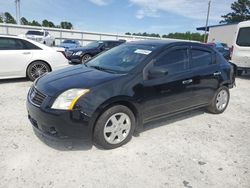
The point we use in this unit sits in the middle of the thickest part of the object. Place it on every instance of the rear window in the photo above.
(200, 58)
(244, 37)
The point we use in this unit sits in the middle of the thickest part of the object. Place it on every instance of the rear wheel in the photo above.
(85, 58)
(114, 127)
(37, 69)
(220, 101)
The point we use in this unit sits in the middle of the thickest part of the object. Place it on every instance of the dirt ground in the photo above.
(195, 149)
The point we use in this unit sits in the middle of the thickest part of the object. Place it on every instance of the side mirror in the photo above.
(157, 72)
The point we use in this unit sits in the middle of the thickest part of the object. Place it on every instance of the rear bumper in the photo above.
(59, 124)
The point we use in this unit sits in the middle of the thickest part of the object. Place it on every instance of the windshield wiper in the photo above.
(103, 69)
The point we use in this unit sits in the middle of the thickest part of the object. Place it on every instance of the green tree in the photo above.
(47, 23)
(24, 21)
(35, 23)
(240, 12)
(128, 33)
(66, 25)
(9, 18)
(1, 19)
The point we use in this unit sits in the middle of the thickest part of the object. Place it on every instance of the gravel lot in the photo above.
(195, 149)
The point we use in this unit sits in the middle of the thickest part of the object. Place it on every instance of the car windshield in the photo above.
(121, 59)
(94, 44)
(40, 33)
(69, 41)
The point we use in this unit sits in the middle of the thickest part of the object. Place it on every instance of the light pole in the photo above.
(206, 28)
(18, 12)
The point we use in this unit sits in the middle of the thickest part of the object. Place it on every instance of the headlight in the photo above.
(78, 53)
(68, 99)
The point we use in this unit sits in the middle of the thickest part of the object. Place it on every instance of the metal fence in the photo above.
(62, 34)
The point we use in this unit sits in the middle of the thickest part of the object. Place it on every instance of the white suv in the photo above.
(241, 47)
(41, 36)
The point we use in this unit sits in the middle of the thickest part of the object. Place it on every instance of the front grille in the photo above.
(36, 97)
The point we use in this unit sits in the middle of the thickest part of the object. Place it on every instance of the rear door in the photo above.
(206, 74)
(15, 54)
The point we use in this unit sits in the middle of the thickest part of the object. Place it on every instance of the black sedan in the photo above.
(113, 95)
(83, 54)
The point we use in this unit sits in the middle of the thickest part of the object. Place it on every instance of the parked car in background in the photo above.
(83, 54)
(222, 48)
(241, 47)
(68, 44)
(115, 93)
(21, 57)
(41, 36)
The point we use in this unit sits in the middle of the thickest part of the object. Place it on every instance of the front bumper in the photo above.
(75, 59)
(59, 123)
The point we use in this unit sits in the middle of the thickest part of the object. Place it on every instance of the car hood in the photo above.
(82, 49)
(78, 76)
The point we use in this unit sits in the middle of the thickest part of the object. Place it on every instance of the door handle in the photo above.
(217, 73)
(189, 81)
(26, 53)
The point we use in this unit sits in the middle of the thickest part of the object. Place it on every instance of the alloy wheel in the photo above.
(117, 128)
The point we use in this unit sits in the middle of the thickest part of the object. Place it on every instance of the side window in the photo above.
(29, 46)
(10, 44)
(243, 37)
(200, 58)
(175, 61)
(46, 34)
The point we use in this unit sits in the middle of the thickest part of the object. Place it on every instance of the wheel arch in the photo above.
(125, 101)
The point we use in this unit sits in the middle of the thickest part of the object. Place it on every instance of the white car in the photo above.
(21, 57)
(241, 47)
(41, 36)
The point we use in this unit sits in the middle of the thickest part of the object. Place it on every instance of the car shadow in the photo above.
(14, 80)
(64, 144)
(165, 121)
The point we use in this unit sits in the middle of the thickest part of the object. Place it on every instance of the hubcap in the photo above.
(38, 69)
(222, 99)
(85, 58)
(117, 128)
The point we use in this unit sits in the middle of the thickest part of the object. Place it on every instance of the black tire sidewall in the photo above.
(100, 124)
(213, 108)
(83, 58)
(29, 69)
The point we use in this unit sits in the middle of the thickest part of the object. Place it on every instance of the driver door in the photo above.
(170, 93)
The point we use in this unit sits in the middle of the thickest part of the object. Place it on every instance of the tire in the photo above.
(109, 135)
(220, 101)
(37, 69)
(85, 58)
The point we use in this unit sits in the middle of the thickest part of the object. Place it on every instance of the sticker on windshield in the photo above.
(144, 52)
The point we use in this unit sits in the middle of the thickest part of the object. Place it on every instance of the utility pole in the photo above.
(18, 11)
(206, 28)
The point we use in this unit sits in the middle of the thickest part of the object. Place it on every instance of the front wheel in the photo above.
(114, 127)
(37, 69)
(220, 101)
(85, 58)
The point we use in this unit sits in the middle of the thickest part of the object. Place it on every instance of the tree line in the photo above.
(177, 35)
(8, 18)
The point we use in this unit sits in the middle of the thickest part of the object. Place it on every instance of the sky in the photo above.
(120, 16)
